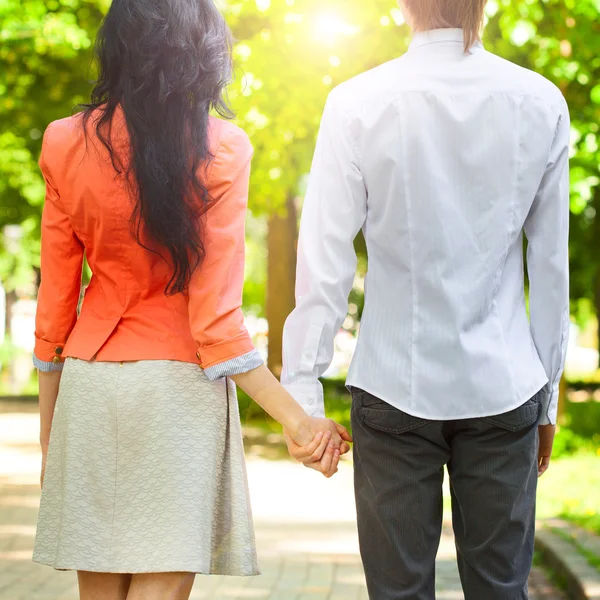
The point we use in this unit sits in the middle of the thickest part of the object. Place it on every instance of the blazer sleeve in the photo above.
(61, 267)
(215, 291)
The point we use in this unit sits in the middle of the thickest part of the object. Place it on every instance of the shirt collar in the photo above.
(440, 36)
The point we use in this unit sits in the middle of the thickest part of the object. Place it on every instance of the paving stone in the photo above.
(306, 534)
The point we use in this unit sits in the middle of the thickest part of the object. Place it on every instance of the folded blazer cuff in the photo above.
(45, 366)
(242, 364)
(226, 350)
(48, 356)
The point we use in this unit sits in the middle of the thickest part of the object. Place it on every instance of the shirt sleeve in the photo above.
(334, 211)
(547, 231)
(216, 287)
(61, 268)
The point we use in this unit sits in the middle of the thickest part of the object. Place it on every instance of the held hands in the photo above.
(318, 444)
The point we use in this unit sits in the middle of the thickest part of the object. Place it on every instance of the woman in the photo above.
(144, 481)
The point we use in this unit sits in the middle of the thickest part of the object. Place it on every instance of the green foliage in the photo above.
(589, 521)
(288, 57)
(583, 419)
(569, 443)
(45, 57)
(561, 40)
(255, 285)
(338, 403)
(591, 379)
(570, 487)
(592, 558)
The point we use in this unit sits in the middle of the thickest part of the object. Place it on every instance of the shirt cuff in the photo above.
(309, 395)
(47, 367)
(549, 405)
(235, 366)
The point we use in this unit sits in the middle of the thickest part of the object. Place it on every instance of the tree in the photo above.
(292, 53)
(289, 56)
(45, 54)
(561, 40)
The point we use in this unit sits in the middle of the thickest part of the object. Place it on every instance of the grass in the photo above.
(570, 489)
(557, 579)
(591, 522)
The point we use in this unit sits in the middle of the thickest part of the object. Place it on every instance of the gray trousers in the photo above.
(399, 461)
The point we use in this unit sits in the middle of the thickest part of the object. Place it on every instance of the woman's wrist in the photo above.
(262, 386)
(297, 425)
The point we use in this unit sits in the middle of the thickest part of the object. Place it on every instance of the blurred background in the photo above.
(288, 55)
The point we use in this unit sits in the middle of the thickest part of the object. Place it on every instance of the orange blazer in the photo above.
(125, 314)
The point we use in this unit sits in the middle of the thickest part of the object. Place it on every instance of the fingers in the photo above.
(328, 465)
(339, 435)
(543, 464)
(300, 451)
(317, 453)
(327, 460)
(344, 448)
(344, 437)
(343, 433)
(331, 468)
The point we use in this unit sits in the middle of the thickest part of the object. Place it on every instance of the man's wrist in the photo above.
(309, 394)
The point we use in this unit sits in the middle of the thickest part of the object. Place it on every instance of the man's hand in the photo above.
(322, 455)
(546, 434)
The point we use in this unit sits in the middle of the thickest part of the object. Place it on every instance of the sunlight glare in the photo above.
(329, 26)
(397, 16)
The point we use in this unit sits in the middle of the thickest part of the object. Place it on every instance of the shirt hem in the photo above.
(523, 397)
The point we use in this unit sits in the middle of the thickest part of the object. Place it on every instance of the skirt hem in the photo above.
(139, 571)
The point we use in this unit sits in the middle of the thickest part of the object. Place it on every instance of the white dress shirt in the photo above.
(445, 160)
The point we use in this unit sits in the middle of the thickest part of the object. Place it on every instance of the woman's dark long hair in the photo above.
(166, 63)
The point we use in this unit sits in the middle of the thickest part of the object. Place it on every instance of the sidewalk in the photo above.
(305, 527)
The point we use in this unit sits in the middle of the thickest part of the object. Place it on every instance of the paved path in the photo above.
(305, 531)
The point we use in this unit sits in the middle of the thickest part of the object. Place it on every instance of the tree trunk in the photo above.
(11, 299)
(595, 204)
(562, 401)
(281, 276)
(597, 308)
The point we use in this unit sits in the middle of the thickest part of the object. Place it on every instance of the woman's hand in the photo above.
(49, 386)
(329, 442)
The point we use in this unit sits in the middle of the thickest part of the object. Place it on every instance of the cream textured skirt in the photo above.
(145, 473)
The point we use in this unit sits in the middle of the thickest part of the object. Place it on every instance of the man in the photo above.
(445, 158)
